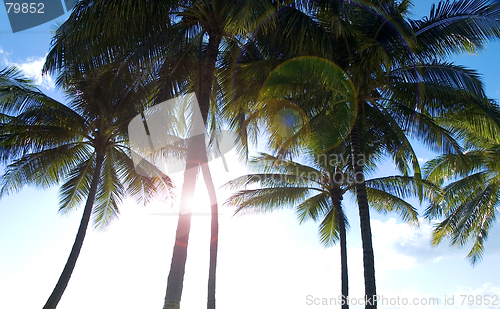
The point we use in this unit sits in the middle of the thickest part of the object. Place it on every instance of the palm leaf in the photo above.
(109, 194)
(313, 207)
(457, 26)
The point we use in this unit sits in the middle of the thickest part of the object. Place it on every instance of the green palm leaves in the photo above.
(307, 189)
(46, 142)
(458, 26)
(323, 93)
(354, 77)
(470, 200)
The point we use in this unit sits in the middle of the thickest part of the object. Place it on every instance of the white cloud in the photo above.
(3, 57)
(31, 67)
(405, 246)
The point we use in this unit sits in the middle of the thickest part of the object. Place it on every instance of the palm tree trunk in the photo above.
(208, 73)
(364, 218)
(336, 201)
(196, 155)
(179, 256)
(207, 76)
(214, 235)
(62, 283)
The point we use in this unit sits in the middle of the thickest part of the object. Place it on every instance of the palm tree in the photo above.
(395, 64)
(84, 145)
(400, 82)
(163, 36)
(312, 192)
(329, 106)
(316, 189)
(398, 70)
(470, 198)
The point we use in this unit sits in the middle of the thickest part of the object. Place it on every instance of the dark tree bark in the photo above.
(214, 235)
(337, 204)
(364, 217)
(205, 94)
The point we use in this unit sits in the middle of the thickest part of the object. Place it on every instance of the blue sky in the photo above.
(265, 261)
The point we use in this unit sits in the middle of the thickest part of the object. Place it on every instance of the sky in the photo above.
(264, 261)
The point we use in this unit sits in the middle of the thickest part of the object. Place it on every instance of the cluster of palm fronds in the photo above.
(352, 78)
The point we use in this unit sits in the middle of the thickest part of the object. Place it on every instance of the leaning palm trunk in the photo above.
(336, 201)
(364, 218)
(179, 255)
(62, 283)
(196, 156)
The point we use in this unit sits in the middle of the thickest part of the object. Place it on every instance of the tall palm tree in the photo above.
(329, 104)
(398, 70)
(82, 144)
(316, 190)
(401, 78)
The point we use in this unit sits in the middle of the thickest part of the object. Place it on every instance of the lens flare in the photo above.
(287, 122)
(308, 96)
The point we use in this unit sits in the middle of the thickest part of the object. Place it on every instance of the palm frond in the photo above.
(110, 192)
(268, 199)
(385, 202)
(470, 219)
(45, 168)
(328, 229)
(314, 207)
(139, 186)
(76, 189)
(458, 26)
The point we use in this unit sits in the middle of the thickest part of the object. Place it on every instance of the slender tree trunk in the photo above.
(196, 155)
(214, 235)
(364, 217)
(208, 74)
(62, 283)
(179, 256)
(336, 201)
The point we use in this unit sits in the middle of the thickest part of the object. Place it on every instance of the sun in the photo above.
(198, 204)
